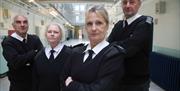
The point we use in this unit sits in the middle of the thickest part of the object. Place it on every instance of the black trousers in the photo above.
(136, 87)
(20, 88)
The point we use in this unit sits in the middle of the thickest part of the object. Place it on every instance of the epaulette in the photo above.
(149, 20)
(120, 48)
(78, 45)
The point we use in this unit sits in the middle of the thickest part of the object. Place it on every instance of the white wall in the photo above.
(167, 30)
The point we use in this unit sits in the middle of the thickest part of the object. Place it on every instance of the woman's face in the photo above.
(96, 27)
(53, 34)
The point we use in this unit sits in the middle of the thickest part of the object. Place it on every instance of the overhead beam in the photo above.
(77, 1)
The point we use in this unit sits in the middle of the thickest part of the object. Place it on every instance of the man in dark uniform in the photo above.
(134, 34)
(19, 50)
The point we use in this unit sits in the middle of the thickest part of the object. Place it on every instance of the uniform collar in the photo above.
(133, 18)
(58, 48)
(15, 35)
(98, 47)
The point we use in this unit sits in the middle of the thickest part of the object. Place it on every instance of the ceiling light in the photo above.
(31, 0)
(54, 13)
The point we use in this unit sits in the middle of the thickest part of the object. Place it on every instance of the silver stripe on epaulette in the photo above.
(149, 20)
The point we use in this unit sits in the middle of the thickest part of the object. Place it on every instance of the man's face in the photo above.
(130, 7)
(20, 25)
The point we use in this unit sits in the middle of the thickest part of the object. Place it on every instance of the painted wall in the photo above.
(166, 26)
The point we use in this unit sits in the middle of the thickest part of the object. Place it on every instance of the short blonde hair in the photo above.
(101, 10)
(55, 24)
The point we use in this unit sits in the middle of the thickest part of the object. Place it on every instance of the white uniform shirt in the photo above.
(15, 35)
(96, 49)
(57, 50)
(133, 18)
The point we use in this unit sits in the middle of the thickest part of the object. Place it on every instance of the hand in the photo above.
(68, 81)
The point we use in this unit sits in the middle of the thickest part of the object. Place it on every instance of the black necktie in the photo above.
(24, 40)
(90, 55)
(51, 58)
(125, 23)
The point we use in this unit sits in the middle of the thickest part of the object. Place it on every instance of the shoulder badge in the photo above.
(78, 45)
(120, 48)
(149, 20)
